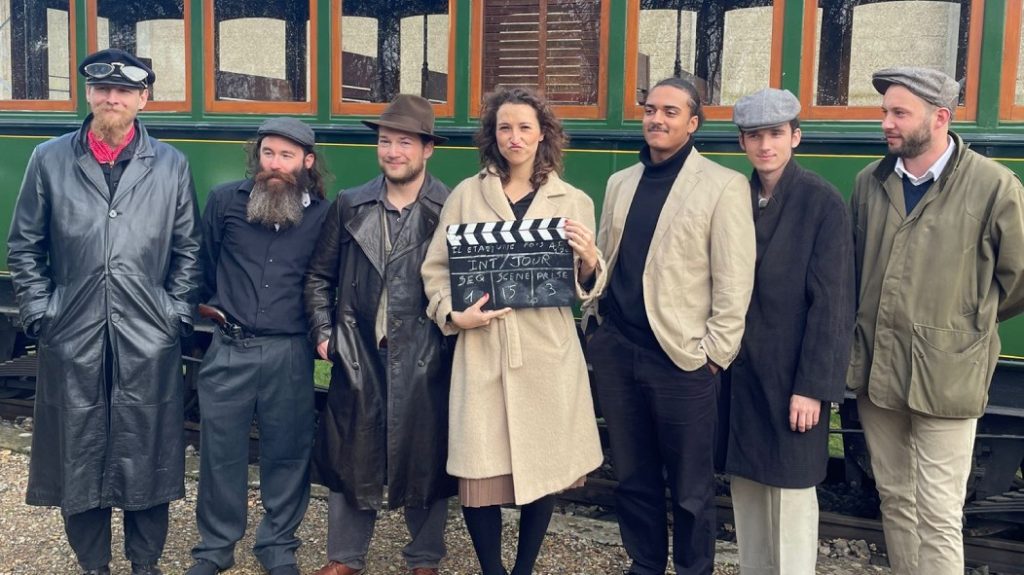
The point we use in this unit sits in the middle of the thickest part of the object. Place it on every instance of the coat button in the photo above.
(355, 365)
(112, 213)
(422, 320)
(421, 363)
(115, 317)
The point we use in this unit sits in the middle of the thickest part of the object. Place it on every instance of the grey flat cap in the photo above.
(765, 108)
(290, 128)
(930, 85)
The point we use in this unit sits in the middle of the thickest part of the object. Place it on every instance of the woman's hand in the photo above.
(475, 316)
(581, 240)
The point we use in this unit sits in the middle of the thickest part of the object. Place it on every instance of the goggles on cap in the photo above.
(103, 70)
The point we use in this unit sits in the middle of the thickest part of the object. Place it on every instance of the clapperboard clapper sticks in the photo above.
(525, 263)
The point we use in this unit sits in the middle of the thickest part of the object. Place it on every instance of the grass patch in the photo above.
(835, 440)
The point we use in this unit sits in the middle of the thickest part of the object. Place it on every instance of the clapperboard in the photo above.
(525, 263)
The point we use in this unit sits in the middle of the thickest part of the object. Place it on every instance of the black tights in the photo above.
(484, 525)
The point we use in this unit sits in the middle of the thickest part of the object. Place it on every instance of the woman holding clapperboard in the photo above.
(521, 422)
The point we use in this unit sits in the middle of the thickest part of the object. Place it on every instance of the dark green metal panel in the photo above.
(991, 64)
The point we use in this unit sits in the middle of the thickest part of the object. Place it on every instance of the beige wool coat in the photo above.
(520, 399)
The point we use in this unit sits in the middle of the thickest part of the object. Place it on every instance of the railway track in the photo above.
(1001, 556)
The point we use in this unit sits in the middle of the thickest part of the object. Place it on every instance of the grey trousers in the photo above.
(272, 378)
(349, 530)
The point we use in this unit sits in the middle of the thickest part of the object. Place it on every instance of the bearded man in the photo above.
(386, 421)
(103, 253)
(258, 237)
(938, 236)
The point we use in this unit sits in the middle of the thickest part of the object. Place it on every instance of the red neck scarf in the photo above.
(103, 153)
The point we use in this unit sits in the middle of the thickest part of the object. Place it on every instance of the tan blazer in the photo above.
(699, 271)
(520, 398)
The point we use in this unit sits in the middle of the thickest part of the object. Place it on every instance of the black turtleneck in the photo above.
(624, 304)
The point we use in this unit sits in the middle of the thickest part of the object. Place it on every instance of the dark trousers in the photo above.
(661, 423)
(145, 532)
(272, 378)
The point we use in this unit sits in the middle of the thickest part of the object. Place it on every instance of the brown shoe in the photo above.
(335, 568)
(425, 571)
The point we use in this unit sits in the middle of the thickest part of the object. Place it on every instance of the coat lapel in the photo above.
(94, 174)
(767, 221)
(495, 197)
(365, 227)
(686, 182)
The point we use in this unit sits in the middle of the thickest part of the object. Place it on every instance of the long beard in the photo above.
(276, 199)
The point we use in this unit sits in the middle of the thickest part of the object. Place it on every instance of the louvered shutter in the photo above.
(551, 45)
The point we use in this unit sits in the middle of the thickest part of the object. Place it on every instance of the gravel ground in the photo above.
(32, 538)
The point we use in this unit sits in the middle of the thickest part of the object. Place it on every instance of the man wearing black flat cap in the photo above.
(385, 427)
(258, 237)
(939, 258)
(103, 252)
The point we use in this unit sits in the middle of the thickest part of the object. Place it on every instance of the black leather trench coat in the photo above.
(101, 273)
(358, 450)
(798, 331)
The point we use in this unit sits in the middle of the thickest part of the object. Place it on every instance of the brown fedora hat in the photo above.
(408, 113)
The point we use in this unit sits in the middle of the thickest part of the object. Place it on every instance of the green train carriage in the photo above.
(224, 65)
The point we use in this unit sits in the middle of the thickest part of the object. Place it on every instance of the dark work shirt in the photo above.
(912, 194)
(624, 304)
(395, 217)
(252, 272)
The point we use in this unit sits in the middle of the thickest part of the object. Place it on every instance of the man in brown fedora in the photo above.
(385, 427)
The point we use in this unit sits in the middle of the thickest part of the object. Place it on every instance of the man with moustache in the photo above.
(795, 347)
(385, 427)
(258, 237)
(677, 235)
(939, 258)
(103, 252)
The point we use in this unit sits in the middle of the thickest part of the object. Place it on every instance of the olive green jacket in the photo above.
(933, 284)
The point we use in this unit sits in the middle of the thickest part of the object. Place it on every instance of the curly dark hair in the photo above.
(549, 150)
(319, 175)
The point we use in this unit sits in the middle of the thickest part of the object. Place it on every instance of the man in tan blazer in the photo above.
(679, 242)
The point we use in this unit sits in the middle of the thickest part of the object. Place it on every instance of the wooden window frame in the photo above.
(185, 105)
(214, 105)
(1009, 109)
(967, 112)
(69, 105)
(339, 107)
(633, 111)
(588, 112)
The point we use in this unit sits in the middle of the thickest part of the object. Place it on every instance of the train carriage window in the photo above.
(385, 48)
(1011, 96)
(156, 32)
(37, 59)
(559, 47)
(259, 58)
(854, 38)
(709, 43)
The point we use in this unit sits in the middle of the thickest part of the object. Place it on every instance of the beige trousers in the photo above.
(776, 528)
(921, 464)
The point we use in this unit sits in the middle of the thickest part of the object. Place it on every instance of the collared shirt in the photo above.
(255, 273)
(395, 218)
(933, 172)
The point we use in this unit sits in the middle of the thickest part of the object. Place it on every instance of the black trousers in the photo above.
(661, 424)
(145, 532)
(271, 378)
